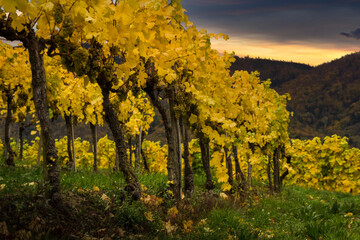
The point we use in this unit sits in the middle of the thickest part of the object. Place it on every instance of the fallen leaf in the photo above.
(349, 214)
(3, 229)
(149, 216)
(188, 225)
(36, 224)
(105, 198)
(29, 184)
(169, 228)
(121, 233)
(102, 232)
(223, 195)
(172, 212)
(351, 222)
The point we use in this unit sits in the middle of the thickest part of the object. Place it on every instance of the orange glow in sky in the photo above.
(307, 53)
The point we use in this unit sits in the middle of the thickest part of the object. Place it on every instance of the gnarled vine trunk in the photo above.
(188, 173)
(229, 166)
(94, 140)
(40, 100)
(133, 185)
(138, 149)
(252, 148)
(276, 159)
(10, 154)
(205, 157)
(40, 147)
(146, 166)
(176, 159)
(69, 133)
(240, 177)
(170, 121)
(268, 171)
(21, 139)
(36, 47)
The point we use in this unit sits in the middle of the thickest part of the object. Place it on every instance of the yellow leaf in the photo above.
(349, 214)
(169, 228)
(33, 132)
(104, 197)
(188, 225)
(226, 187)
(149, 216)
(313, 171)
(29, 184)
(172, 211)
(96, 189)
(48, 6)
(9, 6)
(192, 119)
(223, 195)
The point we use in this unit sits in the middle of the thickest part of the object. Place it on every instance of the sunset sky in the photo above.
(307, 31)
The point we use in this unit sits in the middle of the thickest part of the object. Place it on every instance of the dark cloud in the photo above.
(310, 21)
(353, 34)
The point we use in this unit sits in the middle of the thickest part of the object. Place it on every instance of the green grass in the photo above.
(299, 213)
(87, 179)
(296, 213)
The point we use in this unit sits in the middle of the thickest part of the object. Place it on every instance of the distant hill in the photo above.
(325, 99)
(278, 71)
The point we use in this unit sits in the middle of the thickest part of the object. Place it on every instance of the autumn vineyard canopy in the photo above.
(114, 62)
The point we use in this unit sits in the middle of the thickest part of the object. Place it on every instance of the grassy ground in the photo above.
(98, 208)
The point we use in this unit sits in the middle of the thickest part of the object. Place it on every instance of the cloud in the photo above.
(265, 9)
(279, 20)
(315, 24)
(353, 34)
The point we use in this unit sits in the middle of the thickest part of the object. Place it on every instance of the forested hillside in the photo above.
(324, 99)
(278, 71)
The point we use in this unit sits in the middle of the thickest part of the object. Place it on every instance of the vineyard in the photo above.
(113, 63)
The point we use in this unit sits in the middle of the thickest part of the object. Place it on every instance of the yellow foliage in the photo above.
(105, 198)
(149, 216)
(151, 200)
(224, 196)
(169, 228)
(106, 153)
(349, 214)
(156, 156)
(172, 212)
(329, 165)
(188, 225)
